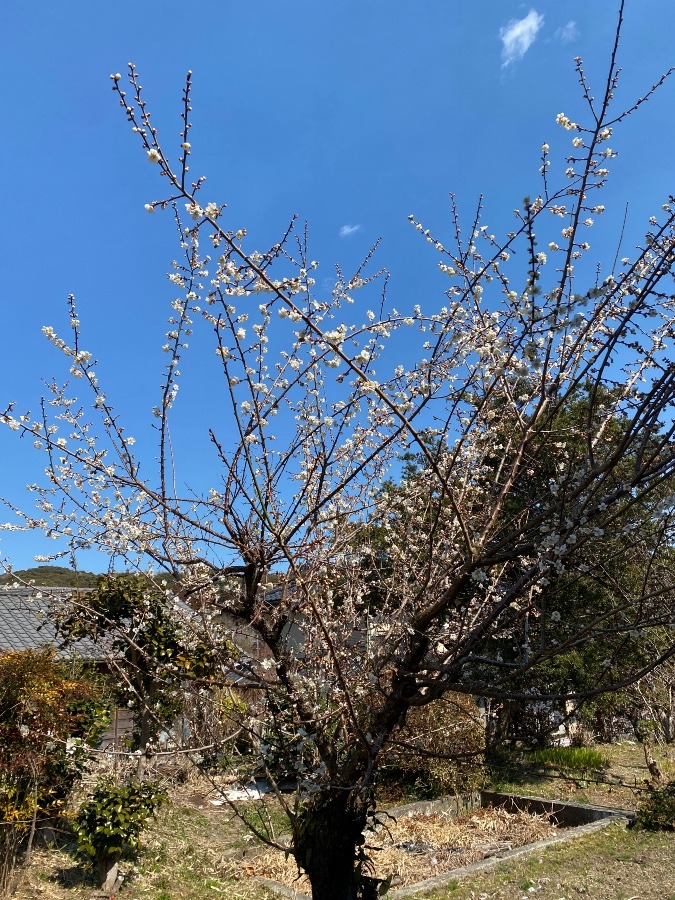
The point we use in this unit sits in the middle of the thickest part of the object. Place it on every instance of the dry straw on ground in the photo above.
(419, 846)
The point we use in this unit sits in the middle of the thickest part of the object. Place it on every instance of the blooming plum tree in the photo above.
(384, 601)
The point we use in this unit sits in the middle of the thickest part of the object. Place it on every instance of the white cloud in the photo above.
(567, 33)
(518, 36)
(349, 230)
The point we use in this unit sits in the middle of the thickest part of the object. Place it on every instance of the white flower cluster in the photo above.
(562, 120)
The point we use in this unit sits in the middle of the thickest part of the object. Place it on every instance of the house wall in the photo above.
(121, 725)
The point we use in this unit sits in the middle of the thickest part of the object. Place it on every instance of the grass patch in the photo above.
(612, 863)
(569, 759)
(620, 784)
(187, 853)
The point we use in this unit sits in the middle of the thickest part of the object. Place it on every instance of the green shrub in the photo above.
(656, 811)
(152, 650)
(112, 820)
(115, 816)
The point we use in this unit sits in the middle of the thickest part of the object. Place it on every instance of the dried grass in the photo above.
(419, 846)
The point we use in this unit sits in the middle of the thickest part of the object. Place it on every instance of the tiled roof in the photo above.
(26, 616)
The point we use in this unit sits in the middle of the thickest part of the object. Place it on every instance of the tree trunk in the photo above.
(327, 840)
(652, 765)
(10, 837)
(499, 724)
(669, 717)
(108, 871)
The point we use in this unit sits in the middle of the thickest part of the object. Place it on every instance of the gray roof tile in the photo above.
(26, 622)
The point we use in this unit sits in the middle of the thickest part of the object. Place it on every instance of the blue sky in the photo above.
(352, 114)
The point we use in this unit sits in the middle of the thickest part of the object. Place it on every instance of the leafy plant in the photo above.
(147, 647)
(656, 811)
(112, 820)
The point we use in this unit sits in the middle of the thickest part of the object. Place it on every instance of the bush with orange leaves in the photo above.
(49, 715)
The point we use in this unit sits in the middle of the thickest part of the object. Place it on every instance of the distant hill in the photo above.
(61, 576)
(52, 576)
